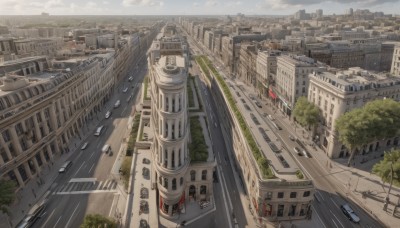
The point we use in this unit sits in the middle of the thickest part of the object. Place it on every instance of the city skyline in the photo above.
(180, 7)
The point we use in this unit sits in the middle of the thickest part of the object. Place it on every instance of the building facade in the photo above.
(291, 80)
(59, 104)
(336, 94)
(395, 70)
(178, 180)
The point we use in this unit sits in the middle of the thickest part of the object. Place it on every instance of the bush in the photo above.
(133, 135)
(125, 170)
(299, 174)
(198, 147)
(266, 171)
(190, 93)
(98, 221)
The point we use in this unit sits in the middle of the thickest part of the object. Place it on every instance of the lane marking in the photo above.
(84, 192)
(79, 168)
(91, 168)
(336, 218)
(69, 220)
(57, 221)
(223, 195)
(335, 223)
(318, 216)
(320, 194)
(91, 155)
(48, 218)
(334, 203)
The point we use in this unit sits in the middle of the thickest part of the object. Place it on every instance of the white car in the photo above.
(271, 117)
(108, 114)
(84, 146)
(125, 90)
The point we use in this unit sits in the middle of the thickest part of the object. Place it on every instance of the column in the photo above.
(19, 178)
(162, 156)
(176, 102)
(37, 128)
(169, 125)
(27, 169)
(53, 116)
(182, 154)
(176, 159)
(42, 156)
(176, 129)
(36, 164)
(50, 152)
(15, 140)
(169, 103)
(5, 146)
(60, 112)
(169, 159)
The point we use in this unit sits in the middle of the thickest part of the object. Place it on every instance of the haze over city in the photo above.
(183, 7)
(206, 113)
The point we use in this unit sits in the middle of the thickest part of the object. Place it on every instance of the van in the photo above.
(99, 130)
(117, 103)
(65, 167)
(106, 148)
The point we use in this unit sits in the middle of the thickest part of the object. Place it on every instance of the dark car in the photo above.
(34, 214)
(346, 209)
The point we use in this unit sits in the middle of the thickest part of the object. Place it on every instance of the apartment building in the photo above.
(247, 64)
(266, 66)
(395, 69)
(34, 47)
(291, 80)
(177, 178)
(338, 93)
(41, 112)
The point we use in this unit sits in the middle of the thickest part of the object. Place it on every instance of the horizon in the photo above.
(188, 8)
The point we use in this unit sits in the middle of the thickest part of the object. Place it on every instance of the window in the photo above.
(166, 183)
(293, 194)
(204, 175)
(306, 194)
(268, 195)
(6, 136)
(280, 210)
(292, 210)
(174, 184)
(280, 195)
(160, 179)
(181, 181)
(203, 189)
(192, 175)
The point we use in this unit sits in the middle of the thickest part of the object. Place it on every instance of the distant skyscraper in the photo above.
(349, 12)
(319, 13)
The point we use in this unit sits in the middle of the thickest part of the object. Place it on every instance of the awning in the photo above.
(272, 94)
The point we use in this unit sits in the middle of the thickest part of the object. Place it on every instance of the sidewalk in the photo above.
(41, 183)
(355, 181)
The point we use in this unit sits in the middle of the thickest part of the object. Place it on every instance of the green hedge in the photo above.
(190, 92)
(133, 135)
(198, 147)
(258, 156)
(299, 174)
(125, 170)
(146, 85)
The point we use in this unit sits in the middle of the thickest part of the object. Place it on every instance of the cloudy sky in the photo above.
(189, 7)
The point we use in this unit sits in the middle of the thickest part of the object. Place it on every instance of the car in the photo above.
(258, 104)
(125, 89)
(350, 214)
(84, 146)
(297, 151)
(108, 114)
(291, 137)
(34, 214)
(306, 154)
(215, 124)
(64, 168)
(129, 98)
(270, 117)
(130, 78)
(117, 104)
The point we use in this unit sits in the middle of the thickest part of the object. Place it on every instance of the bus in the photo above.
(99, 130)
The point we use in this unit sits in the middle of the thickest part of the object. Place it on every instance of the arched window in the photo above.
(166, 183)
(192, 175)
(174, 184)
(204, 175)
(173, 159)
(203, 189)
(181, 181)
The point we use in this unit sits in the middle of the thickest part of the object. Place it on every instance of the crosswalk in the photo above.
(86, 187)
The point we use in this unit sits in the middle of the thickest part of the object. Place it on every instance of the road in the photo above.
(91, 183)
(330, 194)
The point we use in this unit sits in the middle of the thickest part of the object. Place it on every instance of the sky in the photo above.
(190, 7)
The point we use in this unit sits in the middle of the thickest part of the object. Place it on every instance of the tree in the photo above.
(306, 113)
(7, 194)
(98, 221)
(388, 170)
(353, 131)
(377, 120)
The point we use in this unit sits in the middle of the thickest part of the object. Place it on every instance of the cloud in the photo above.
(91, 5)
(195, 4)
(211, 3)
(142, 3)
(106, 2)
(281, 4)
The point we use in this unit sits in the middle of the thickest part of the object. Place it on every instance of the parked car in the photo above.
(108, 114)
(84, 145)
(291, 137)
(306, 154)
(34, 214)
(258, 104)
(297, 151)
(350, 214)
(271, 117)
(125, 89)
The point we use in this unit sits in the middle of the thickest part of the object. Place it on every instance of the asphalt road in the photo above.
(70, 201)
(330, 194)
